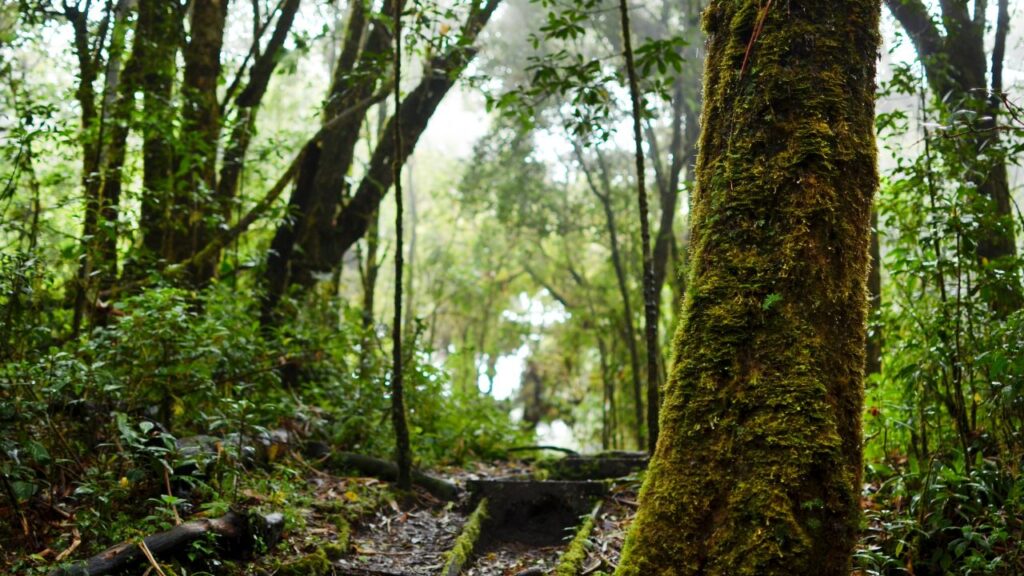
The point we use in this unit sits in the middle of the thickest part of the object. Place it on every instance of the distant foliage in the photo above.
(945, 420)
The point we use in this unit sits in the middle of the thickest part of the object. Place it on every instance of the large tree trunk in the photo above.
(156, 45)
(197, 212)
(758, 467)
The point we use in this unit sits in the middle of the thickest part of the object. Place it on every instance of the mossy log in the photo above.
(386, 470)
(236, 534)
(757, 469)
(571, 562)
(462, 551)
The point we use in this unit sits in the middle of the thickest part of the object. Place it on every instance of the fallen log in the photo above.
(235, 533)
(386, 470)
(571, 562)
(462, 551)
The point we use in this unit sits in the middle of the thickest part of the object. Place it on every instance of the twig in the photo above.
(543, 447)
(758, 28)
(630, 503)
(149, 556)
(76, 541)
(170, 495)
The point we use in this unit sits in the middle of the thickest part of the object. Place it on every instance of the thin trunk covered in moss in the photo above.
(758, 465)
(403, 455)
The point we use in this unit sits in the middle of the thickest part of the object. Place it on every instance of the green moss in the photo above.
(315, 564)
(571, 562)
(335, 550)
(762, 408)
(459, 555)
(343, 530)
(329, 506)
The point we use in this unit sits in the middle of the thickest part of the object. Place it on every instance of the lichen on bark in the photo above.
(758, 467)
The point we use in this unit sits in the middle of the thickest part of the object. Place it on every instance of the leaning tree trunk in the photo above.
(758, 466)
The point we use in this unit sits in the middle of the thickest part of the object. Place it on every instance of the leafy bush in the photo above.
(943, 522)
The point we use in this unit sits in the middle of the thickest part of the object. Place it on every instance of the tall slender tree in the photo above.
(650, 294)
(758, 467)
(403, 455)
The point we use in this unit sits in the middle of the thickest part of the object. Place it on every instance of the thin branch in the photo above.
(913, 16)
(999, 47)
(254, 52)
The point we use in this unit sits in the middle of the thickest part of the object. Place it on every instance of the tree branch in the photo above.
(914, 17)
(999, 47)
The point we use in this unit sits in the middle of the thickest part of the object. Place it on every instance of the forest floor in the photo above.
(348, 525)
(413, 534)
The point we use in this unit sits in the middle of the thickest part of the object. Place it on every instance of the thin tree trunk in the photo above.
(649, 290)
(758, 470)
(403, 455)
(90, 137)
(604, 198)
(608, 397)
(409, 324)
(874, 352)
(369, 277)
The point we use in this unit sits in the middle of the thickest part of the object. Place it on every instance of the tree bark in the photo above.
(758, 470)
(197, 210)
(651, 300)
(156, 43)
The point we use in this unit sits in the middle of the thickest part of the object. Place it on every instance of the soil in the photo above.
(410, 542)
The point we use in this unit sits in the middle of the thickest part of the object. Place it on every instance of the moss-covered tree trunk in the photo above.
(757, 468)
